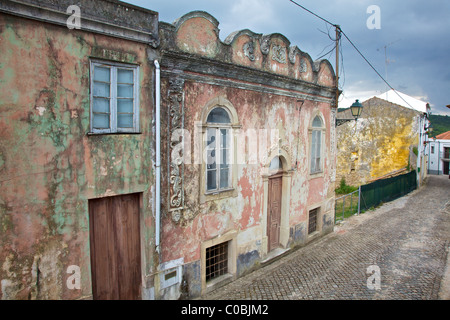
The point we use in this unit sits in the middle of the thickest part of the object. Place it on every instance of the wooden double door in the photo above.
(274, 212)
(115, 247)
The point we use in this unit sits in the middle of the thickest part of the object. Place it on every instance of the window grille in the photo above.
(216, 261)
(312, 222)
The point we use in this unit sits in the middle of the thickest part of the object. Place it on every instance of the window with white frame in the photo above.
(218, 149)
(114, 97)
(316, 145)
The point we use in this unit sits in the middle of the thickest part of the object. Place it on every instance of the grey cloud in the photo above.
(421, 28)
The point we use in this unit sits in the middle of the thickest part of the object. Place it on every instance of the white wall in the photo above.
(435, 162)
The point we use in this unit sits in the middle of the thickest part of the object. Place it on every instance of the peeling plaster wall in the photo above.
(50, 166)
(272, 87)
(379, 143)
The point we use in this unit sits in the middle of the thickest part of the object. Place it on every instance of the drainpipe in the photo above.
(158, 153)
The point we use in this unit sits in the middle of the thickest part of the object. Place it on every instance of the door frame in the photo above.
(286, 174)
(445, 167)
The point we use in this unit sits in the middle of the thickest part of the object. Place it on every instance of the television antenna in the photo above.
(386, 60)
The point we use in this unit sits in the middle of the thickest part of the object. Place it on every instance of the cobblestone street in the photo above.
(408, 239)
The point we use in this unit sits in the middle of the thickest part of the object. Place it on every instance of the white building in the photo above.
(438, 151)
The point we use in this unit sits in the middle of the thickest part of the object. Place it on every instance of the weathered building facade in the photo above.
(249, 154)
(76, 142)
(385, 141)
(247, 148)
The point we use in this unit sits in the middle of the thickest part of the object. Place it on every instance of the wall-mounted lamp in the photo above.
(356, 109)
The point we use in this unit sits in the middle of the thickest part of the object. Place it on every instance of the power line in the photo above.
(334, 48)
(367, 61)
(353, 45)
(313, 13)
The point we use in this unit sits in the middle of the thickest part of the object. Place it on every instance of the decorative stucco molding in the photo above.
(176, 166)
(244, 47)
(180, 211)
(249, 50)
(279, 54)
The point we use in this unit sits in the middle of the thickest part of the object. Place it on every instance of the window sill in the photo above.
(316, 175)
(313, 235)
(218, 282)
(218, 195)
(111, 133)
(215, 192)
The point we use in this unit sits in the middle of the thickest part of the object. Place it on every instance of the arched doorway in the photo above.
(277, 181)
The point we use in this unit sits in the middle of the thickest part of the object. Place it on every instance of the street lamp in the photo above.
(356, 109)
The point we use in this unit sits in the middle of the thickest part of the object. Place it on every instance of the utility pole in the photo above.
(338, 37)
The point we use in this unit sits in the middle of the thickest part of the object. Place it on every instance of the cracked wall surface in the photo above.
(380, 142)
(50, 166)
(273, 91)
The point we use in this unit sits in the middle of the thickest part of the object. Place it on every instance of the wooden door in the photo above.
(274, 213)
(446, 167)
(115, 247)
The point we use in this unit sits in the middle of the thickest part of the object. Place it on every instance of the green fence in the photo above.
(346, 206)
(385, 190)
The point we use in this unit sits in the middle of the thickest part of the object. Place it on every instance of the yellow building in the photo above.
(385, 141)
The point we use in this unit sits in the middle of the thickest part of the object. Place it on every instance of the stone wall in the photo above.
(379, 143)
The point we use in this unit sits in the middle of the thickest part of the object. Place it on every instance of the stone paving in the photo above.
(407, 239)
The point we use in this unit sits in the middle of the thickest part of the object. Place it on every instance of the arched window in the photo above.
(317, 122)
(316, 145)
(275, 165)
(218, 115)
(218, 144)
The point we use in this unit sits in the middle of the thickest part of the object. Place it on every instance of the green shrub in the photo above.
(344, 188)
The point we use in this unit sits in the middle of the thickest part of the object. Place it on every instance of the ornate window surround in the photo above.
(322, 129)
(234, 131)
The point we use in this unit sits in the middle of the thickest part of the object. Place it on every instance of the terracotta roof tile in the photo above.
(444, 136)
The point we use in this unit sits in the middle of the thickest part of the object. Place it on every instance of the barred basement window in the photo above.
(312, 222)
(216, 261)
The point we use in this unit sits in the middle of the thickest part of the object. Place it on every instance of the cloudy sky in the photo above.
(416, 35)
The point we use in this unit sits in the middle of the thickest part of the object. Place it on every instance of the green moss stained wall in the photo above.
(50, 167)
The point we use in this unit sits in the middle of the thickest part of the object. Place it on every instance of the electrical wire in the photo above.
(328, 46)
(313, 13)
(334, 48)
